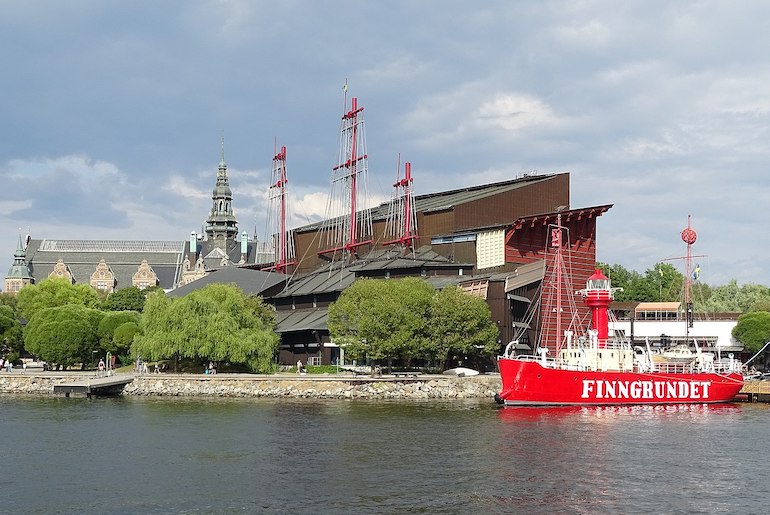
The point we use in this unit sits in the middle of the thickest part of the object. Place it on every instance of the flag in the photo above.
(696, 272)
(345, 87)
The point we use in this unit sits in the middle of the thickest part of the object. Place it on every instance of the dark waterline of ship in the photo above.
(130, 455)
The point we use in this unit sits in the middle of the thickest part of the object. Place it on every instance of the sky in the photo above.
(113, 113)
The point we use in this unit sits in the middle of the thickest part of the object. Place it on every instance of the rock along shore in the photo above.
(279, 385)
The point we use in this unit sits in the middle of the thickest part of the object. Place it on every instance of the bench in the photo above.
(406, 373)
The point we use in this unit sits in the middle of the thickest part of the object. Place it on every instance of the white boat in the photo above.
(678, 353)
(461, 372)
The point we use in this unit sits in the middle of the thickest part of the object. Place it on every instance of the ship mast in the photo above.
(558, 260)
(283, 243)
(348, 223)
(689, 236)
(402, 220)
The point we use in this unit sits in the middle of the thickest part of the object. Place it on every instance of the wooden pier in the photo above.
(99, 386)
(753, 389)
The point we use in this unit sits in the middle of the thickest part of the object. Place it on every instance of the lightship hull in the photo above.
(529, 383)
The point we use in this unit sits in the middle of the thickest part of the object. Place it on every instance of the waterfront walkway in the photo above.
(110, 385)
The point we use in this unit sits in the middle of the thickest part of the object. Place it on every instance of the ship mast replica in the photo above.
(283, 243)
(348, 222)
(402, 220)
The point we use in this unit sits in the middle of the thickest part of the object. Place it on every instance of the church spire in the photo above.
(222, 164)
(19, 274)
(221, 225)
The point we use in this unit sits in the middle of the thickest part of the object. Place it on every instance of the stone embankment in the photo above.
(289, 386)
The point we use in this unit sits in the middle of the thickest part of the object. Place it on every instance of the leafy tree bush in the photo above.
(217, 322)
(130, 298)
(383, 319)
(11, 340)
(54, 292)
(460, 323)
(753, 330)
(406, 319)
(123, 337)
(731, 298)
(762, 304)
(109, 324)
(64, 334)
(659, 283)
(9, 299)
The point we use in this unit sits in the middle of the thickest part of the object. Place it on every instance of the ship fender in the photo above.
(499, 399)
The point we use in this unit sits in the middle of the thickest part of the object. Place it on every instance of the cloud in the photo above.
(660, 108)
(514, 112)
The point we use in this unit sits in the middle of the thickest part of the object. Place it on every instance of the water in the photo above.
(138, 455)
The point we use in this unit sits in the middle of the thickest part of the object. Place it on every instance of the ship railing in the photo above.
(693, 367)
(546, 362)
(725, 366)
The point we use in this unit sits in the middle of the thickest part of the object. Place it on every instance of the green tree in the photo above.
(124, 337)
(130, 298)
(762, 304)
(731, 298)
(382, 319)
(11, 340)
(109, 324)
(9, 299)
(264, 312)
(753, 330)
(217, 322)
(459, 323)
(620, 277)
(64, 334)
(54, 292)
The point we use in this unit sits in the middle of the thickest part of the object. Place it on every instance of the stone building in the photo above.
(109, 265)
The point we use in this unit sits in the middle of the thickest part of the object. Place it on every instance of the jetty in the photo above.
(94, 386)
(756, 390)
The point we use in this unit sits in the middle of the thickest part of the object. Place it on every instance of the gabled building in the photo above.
(109, 265)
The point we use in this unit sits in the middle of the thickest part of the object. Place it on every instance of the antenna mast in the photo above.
(688, 236)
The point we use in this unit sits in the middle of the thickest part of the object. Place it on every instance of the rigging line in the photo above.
(296, 268)
(757, 354)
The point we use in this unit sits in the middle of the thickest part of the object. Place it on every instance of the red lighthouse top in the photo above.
(597, 295)
(598, 281)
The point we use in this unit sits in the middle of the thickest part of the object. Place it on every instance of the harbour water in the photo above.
(145, 455)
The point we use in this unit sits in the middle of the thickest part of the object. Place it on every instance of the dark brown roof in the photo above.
(449, 199)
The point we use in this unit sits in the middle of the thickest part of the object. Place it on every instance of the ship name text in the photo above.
(603, 389)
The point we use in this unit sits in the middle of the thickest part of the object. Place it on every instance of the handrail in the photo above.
(660, 367)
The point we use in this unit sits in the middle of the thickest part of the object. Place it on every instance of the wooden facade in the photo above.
(451, 213)
(528, 241)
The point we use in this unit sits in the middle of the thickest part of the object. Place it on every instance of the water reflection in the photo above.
(311, 456)
(558, 414)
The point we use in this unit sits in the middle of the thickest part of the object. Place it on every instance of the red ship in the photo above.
(590, 368)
